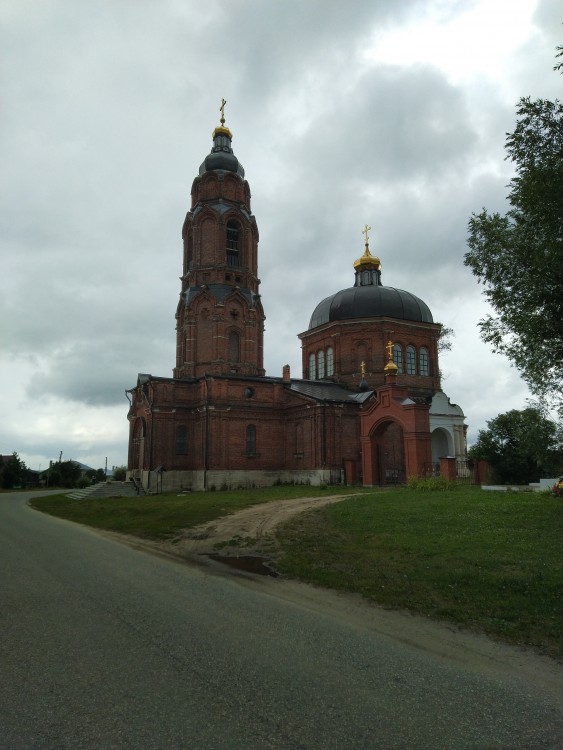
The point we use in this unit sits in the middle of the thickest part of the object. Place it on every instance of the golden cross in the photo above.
(363, 369)
(222, 110)
(390, 350)
(365, 231)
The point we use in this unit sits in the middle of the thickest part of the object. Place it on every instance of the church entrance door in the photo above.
(388, 455)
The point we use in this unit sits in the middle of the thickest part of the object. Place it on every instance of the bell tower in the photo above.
(219, 319)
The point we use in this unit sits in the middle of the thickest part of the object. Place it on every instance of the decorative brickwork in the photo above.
(219, 422)
(365, 340)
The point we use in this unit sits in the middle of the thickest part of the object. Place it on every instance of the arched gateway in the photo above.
(395, 437)
(388, 454)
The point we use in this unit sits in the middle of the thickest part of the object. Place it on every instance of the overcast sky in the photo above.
(386, 112)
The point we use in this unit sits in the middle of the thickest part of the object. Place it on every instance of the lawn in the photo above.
(490, 561)
(163, 516)
(486, 560)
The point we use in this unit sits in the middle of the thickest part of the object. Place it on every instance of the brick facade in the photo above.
(221, 422)
(365, 340)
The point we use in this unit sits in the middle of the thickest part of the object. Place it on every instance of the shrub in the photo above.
(431, 484)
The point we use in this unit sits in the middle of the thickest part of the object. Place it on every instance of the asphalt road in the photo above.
(103, 646)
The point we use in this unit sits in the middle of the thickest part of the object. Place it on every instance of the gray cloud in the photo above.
(108, 110)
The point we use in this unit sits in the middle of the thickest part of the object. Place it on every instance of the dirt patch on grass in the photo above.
(248, 529)
(246, 532)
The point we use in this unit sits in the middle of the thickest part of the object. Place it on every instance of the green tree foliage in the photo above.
(64, 474)
(119, 473)
(445, 338)
(96, 475)
(521, 446)
(13, 472)
(519, 256)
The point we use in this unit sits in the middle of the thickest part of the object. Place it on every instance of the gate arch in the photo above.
(387, 447)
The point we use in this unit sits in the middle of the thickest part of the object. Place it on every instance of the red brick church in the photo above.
(368, 408)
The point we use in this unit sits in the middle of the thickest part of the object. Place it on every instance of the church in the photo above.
(368, 408)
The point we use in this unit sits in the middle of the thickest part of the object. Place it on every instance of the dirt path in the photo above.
(247, 528)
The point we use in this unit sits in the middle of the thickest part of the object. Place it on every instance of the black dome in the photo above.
(222, 156)
(222, 160)
(371, 301)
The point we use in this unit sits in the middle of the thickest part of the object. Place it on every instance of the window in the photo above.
(329, 362)
(233, 242)
(250, 440)
(312, 359)
(181, 440)
(321, 365)
(411, 360)
(398, 358)
(234, 347)
(424, 368)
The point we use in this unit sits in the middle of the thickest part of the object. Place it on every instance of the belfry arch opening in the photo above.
(233, 244)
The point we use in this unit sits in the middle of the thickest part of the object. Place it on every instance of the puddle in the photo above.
(248, 563)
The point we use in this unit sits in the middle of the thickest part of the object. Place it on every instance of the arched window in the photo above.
(411, 360)
(250, 440)
(312, 370)
(329, 362)
(233, 244)
(398, 358)
(423, 367)
(234, 347)
(181, 440)
(321, 365)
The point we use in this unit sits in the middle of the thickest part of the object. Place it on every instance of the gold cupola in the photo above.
(367, 261)
(368, 267)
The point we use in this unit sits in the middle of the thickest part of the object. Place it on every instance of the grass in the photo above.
(163, 516)
(489, 561)
(483, 560)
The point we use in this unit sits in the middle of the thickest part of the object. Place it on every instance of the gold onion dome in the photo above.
(367, 260)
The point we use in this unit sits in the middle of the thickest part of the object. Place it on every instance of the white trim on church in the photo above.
(447, 427)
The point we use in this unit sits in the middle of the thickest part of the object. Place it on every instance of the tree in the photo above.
(519, 256)
(13, 472)
(445, 338)
(64, 474)
(520, 446)
(119, 473)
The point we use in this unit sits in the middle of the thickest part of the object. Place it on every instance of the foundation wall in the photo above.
(197, 481)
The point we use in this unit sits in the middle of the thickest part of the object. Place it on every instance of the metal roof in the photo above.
(325, 391)
(370, 302)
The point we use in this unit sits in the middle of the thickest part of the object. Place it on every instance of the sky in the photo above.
(392, 113)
